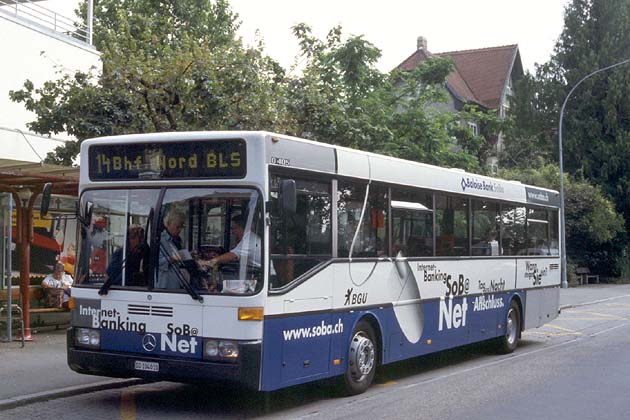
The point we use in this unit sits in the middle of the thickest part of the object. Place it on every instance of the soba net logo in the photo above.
(475, 184)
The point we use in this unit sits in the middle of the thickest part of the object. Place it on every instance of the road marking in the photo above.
(588, 319)
(550, 334)
(566, 331)
(384, 384)
(603, 316)
(127, 405)
(608, 330)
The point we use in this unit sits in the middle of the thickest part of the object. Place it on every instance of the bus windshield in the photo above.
(195, 240)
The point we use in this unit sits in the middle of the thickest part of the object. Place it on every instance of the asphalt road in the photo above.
(577, 367)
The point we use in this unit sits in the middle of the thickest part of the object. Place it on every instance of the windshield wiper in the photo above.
(182, 280)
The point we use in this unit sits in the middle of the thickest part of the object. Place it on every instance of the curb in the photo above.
(67, 392)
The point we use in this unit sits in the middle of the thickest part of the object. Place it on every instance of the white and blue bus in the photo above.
(339, 260)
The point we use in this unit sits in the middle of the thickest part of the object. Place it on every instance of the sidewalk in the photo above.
(578, 296)
(39, 371)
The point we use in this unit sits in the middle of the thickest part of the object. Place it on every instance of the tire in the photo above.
(507, 342)
(362, 359)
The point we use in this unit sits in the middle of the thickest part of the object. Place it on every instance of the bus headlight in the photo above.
(211, 348)
(87, 337)
(220, 350)
(228, 349)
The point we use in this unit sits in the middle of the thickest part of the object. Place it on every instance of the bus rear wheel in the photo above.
(362, 358)
(507, 342)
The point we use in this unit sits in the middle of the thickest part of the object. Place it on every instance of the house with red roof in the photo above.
(483, 77)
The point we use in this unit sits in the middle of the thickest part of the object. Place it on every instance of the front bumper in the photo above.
(121, 365)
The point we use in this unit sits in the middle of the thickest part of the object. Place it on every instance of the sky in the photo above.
(394, 25)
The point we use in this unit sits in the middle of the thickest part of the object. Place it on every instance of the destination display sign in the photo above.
(176, 160)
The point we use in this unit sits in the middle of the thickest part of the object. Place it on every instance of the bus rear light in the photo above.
(87, 337)
(71, 303)
(250, 314)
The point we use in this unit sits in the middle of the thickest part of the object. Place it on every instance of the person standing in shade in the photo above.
(58, 285)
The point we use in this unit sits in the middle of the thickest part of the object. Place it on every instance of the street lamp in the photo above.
(562, 229)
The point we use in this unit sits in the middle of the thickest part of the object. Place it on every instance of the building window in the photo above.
(473, 127)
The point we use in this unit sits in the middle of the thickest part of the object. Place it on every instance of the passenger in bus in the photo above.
(135, 262)
(172, 254)
(487, 247)
(248, 248)
(493, 244)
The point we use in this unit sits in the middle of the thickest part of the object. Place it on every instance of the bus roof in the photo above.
(322, 157)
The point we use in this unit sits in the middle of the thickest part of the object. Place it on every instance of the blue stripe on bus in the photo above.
(302, 348)
(152, 344)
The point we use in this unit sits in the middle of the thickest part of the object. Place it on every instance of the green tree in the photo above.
(531, 134)
(596, 125)
(167, 66)
(342, 98)
(172, 66)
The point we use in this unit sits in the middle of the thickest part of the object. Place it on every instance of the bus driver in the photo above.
(247, 250)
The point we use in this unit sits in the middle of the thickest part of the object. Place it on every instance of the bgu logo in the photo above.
(355, 298)
(453, 315)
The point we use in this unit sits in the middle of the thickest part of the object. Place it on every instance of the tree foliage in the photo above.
(172, 66)
(342, 98)
(596, 122)
(179, 70)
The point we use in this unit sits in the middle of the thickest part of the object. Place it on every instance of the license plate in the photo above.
(147, 366)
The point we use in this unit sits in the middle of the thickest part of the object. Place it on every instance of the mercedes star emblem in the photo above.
(149, 342)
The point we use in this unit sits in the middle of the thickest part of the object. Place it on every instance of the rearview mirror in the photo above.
(86, 217)
(46, 193)
(288, 195)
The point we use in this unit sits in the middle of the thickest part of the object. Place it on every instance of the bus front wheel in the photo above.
(362, 359)
(507, 342)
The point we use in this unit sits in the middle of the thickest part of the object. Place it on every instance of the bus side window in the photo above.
(513, 230)
(537, 232)
(412, 224)
(485, 228)
(452, 225)
(554, 226)
(371, 240)
(301, 240)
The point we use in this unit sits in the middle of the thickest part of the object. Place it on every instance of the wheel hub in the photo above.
(362, 356)
(510, 328)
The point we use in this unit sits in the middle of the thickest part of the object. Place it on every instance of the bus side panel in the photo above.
(297, 348)
(451, 322)
(541, 306)
(303, 348)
